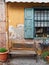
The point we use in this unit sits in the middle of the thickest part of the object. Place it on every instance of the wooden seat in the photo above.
(22, 52)
(23, 48)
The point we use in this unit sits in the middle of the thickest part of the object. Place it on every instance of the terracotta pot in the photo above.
(3, 56)
(47, 58)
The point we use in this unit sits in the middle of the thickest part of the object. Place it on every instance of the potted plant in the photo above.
(45, 55)
(3, 54)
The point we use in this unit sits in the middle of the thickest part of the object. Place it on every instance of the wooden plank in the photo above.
(23, 52)
(22, 48)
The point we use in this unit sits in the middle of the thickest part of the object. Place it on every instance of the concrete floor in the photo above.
(24, 61)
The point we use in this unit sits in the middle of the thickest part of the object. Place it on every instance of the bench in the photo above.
(23, 49)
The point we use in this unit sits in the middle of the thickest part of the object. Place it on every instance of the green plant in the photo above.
(3, 49)
(45, 54)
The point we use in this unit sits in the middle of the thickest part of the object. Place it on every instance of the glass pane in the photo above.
(35, 18)
(38, 24)
(45, 24)
(45, 18)
(35, 14)
(48, 24)
(38, 18)
(42, 24)
(48, 13)
(48, 18)
(39, 14)
(42, 14)
(42, 18)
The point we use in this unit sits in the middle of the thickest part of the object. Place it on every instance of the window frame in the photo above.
(47, 9)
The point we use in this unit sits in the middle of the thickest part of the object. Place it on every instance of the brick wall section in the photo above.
(2, 24)
(2, 34)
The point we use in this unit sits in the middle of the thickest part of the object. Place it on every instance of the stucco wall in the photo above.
(15, 14)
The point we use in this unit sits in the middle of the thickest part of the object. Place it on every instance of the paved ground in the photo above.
(24, 61)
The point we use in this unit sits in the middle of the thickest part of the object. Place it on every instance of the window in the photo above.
(41, 19)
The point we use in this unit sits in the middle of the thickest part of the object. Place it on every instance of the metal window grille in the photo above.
(41, 19)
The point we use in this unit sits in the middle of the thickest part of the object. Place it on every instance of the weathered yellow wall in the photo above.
(15, 14)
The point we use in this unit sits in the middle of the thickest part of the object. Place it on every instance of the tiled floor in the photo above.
(24, 61)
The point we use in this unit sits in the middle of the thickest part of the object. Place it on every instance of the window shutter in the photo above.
(29, 23)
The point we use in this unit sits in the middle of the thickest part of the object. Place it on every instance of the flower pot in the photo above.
(47, 58)
(3, 56)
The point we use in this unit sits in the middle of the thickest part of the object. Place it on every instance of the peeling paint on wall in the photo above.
(16, 33)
